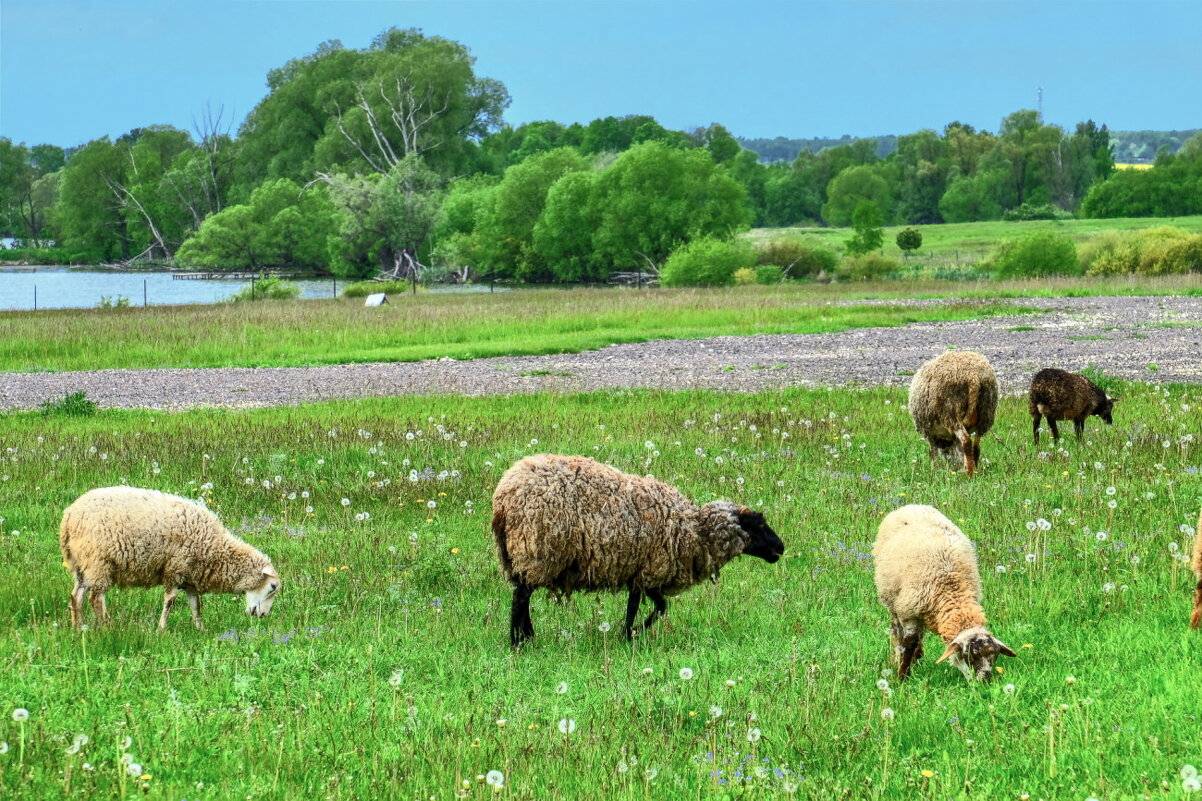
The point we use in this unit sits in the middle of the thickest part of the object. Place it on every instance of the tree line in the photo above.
(394, 158)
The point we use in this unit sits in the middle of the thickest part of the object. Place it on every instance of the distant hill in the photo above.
(1130, 147)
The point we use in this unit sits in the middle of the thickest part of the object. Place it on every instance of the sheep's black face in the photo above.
(761, 539)
(1105, 409)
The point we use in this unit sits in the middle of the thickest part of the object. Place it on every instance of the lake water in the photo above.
(63, 288)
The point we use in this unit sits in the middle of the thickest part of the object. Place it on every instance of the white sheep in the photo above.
(132, 537)
(572, 523)
(926, 576)
(952, 397)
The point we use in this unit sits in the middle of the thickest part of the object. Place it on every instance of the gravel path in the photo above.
(1122, 336)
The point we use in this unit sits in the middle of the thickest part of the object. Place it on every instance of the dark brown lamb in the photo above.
(1061, 395)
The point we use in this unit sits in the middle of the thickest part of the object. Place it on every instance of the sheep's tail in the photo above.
(498, 534)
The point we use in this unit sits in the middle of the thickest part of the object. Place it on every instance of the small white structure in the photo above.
(378, 299)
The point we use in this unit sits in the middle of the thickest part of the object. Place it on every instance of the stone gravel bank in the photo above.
(1147, 339)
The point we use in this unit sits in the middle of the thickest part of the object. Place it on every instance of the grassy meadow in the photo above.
(427, 326)
(384, 670)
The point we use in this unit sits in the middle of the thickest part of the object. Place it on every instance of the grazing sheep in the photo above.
(1061, 395)
(144, 538)
(951, 397)
(1196, 619)
(571, 523)
(926, 576)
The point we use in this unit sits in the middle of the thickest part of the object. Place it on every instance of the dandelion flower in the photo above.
(396, 678)
(81, 740)
(1108, 587)
(1111, 490)
(753, 735)
(604, 627)
(686, 673)
(1044, 525)
(1191, 785)
(495, 778)
(730, 682)
(3, 747)
(1030, 525)
(561, 688)
(927, 774)
(1008, 689)
(882, 684)
(501, 723)
(1070, 680)
(1189, 772)
(1101, 536)
(567, 725)
(133, 769)
(715, 712)
(1113, 504)
(887, 713)
(431, 504)
(1031, 557)
(346, 501)
(647, 671)
(20, 714)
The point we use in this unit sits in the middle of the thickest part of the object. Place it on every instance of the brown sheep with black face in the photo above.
(1196, 619)
(572, 523)
(1061, 395)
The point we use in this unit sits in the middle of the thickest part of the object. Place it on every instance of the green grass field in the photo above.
(428, 326)
(385, 672)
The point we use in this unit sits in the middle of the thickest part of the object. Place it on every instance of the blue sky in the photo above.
(72, 71)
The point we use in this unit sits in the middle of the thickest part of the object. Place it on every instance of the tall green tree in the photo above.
(852, 186)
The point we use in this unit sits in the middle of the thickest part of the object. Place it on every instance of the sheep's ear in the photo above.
(952, 648)
(270, 571)
(749, 517)
(1003, 648)
(1113, 400)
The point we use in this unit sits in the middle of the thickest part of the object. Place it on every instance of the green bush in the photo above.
(768, 274)
(744, 276)
(32, 255)
(1043, 211)
(118, 302)
(1036, 254)
(798, 259)
(707, 261)
(269, 288)
(364, 288)
(866, 267)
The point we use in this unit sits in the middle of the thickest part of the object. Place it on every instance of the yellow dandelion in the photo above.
(999, 669)
(454, 550)
(928, 774)
(331, 569)
(344, 567)
(1028, 645)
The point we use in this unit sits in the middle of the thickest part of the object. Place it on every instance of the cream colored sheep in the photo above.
(952, 397)
(132, 537)
(1196, 564)
(926, 576)
(571, 523)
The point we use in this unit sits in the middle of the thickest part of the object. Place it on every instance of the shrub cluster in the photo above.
(867, 267)
(796, 258)
(1036, 254)
(269, 288)
(362, 289)
(708, 261)
(1162, 250)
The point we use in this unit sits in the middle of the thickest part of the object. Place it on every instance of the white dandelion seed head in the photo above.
(882, 684)
(1030, 525)
(494, 778)
(396, 678)
(604, 626)
(1108, 587)
(715, 712)
(1070, 680)
(3, 747)
(647, 671)
(126, 742)
(730, 682)
(345, 501)
(81, 740)
(686, 673)
(1189, 772)
(133, 769)
(567, 725)
(887, 713)
(561, 688)
(753, 735)
(1173, 547)
(1113, 504)
(1101, 536)
(1008, 689)
(1043, 525)
(20, 714)
(1001, 568)
(431, 504)
(1031, 557)
(1111, 490)
(1191, 785)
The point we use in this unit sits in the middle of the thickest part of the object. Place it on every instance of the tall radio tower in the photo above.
(1039, 101)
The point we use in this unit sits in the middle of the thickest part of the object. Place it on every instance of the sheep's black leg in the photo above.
(1079, 427)
(520, 626)
(632, 609)
(1035, 429)
(661, 606)
(1055, 431)
(911, 650)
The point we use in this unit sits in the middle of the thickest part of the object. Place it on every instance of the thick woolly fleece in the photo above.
(573, 523)
(952, 391)
(132, 537)
(926, 569)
